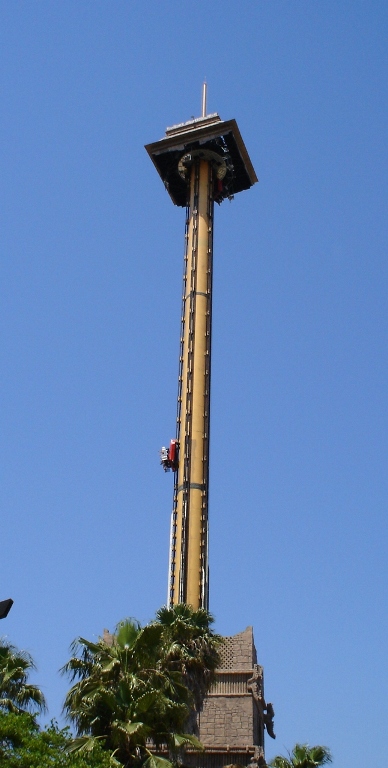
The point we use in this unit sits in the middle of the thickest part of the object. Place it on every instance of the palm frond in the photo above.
(153, 761)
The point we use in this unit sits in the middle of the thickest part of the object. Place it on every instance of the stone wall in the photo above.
(238, 651)
(227, 721)
(232, 715)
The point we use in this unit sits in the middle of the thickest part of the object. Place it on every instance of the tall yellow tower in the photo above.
(200, 162)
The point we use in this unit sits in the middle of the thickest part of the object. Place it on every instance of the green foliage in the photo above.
(303, 756)
(24, 745)
(190, 646)
(143, 687)
(16, 694)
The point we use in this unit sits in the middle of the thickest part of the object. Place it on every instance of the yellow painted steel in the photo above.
(199, 161)
(189, 549)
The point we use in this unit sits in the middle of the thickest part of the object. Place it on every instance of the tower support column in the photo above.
(189, 529)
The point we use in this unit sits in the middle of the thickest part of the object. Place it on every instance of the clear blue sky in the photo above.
(91, 252)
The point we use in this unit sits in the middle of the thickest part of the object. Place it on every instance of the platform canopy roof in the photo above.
(206, 133)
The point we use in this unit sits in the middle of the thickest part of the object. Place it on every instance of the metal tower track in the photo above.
(178, 571)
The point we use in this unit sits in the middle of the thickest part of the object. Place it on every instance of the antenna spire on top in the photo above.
(204, 98)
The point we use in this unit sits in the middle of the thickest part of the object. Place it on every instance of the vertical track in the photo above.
(206, 436)
(186, 418)
(188, 572)
(173, 529)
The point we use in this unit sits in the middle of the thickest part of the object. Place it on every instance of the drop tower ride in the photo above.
(201, 162)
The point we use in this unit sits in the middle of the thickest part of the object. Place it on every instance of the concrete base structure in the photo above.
(235, 714)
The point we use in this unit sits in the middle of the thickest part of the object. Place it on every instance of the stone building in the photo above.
(234, 716)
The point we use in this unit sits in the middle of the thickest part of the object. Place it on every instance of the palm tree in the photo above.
(190, 646)
(303, 756)
(123, 695)
(16, 694)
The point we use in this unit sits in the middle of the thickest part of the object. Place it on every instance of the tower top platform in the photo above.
(205, 137)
